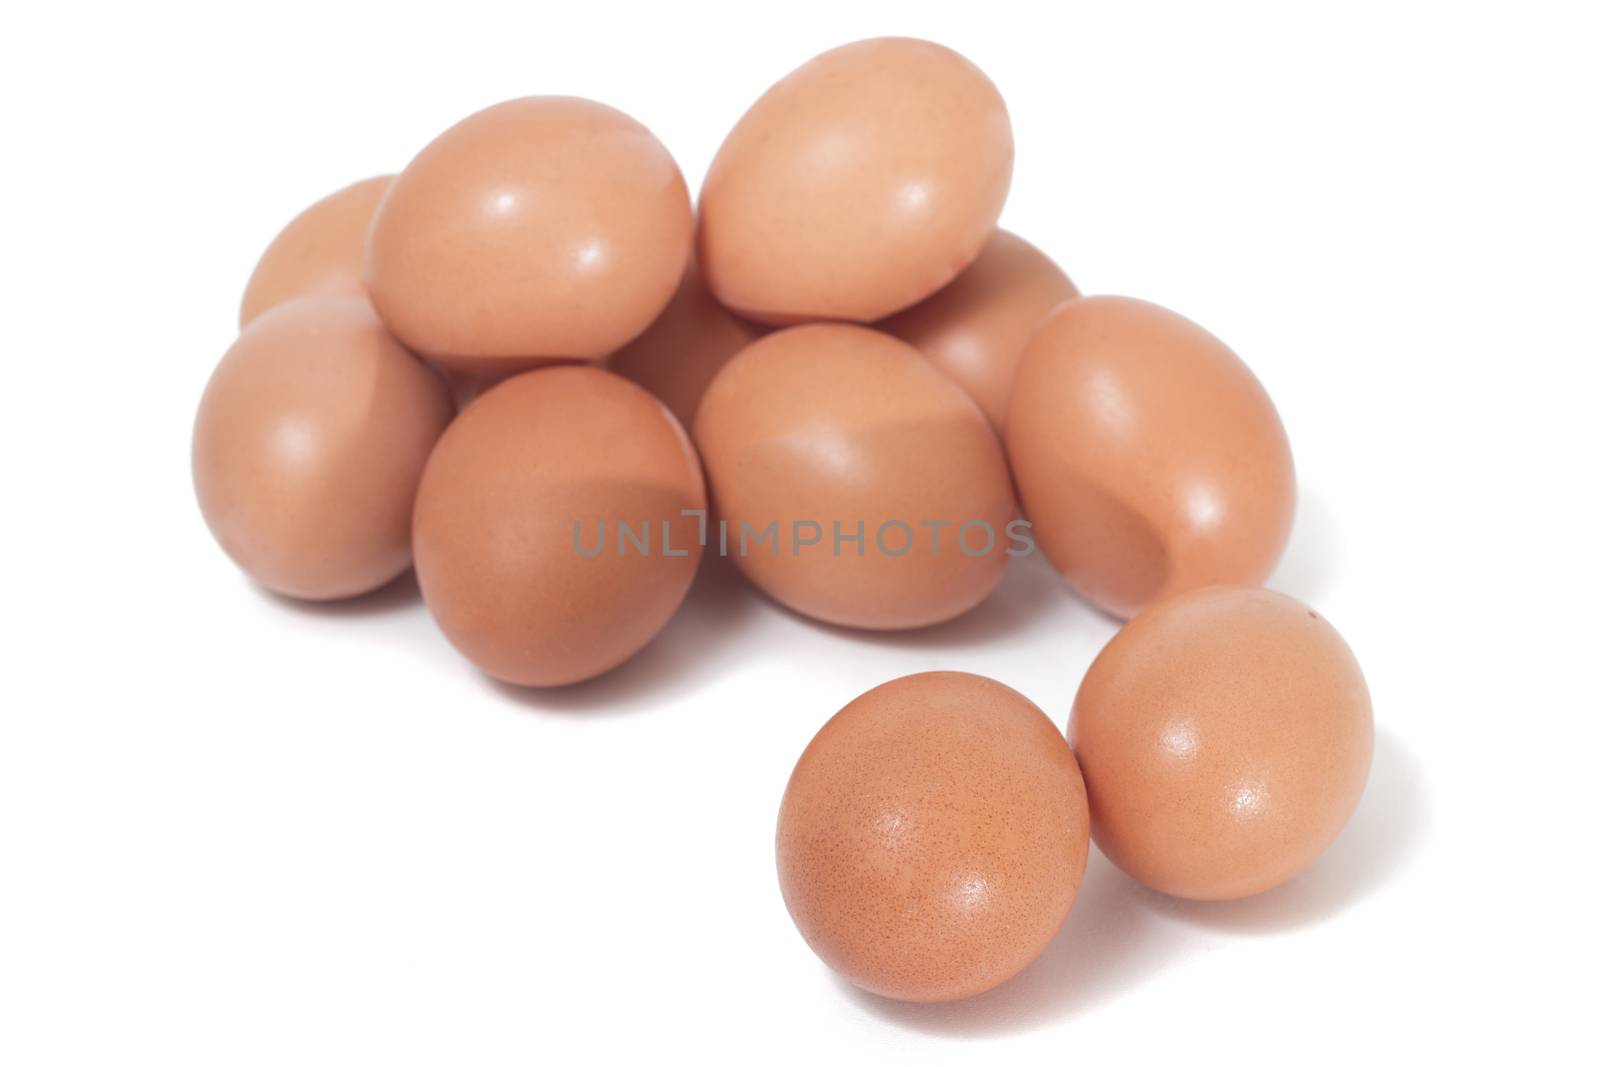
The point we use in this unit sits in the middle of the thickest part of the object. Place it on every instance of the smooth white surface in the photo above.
(234, 830)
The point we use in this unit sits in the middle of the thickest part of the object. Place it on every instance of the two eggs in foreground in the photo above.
(933, 836)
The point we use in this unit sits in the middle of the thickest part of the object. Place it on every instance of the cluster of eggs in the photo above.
(864, 363)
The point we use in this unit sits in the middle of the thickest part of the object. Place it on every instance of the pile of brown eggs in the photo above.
(879, 386)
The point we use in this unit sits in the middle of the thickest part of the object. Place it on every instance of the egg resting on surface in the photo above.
(933, 836)
(1225, 736)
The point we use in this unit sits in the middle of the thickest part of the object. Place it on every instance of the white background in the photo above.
(234, 830)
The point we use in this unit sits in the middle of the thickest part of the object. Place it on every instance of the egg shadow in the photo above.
(1383, 837)
(1310, 563)
(1111, 942)
(400, 594)
(692, 646)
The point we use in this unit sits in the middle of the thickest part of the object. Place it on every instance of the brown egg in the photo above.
(309, 444)
(1147, 456)
(974, 329)
(542, 229)
(933, 837)
(320, 251)
(856, 186)
(676, 358)
(1225, 736)
(885, 491)
(549, 536)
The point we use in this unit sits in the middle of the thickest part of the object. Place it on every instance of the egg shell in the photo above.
(1225, 736)
(859, 184)
(508, 578)
(309, 445)
(831, 423)
(975, 328)
(1148, 457)
(933, 837)
(676, 358)
(539, 230)
(321, 250)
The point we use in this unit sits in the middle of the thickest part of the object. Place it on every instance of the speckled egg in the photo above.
(933, 837)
